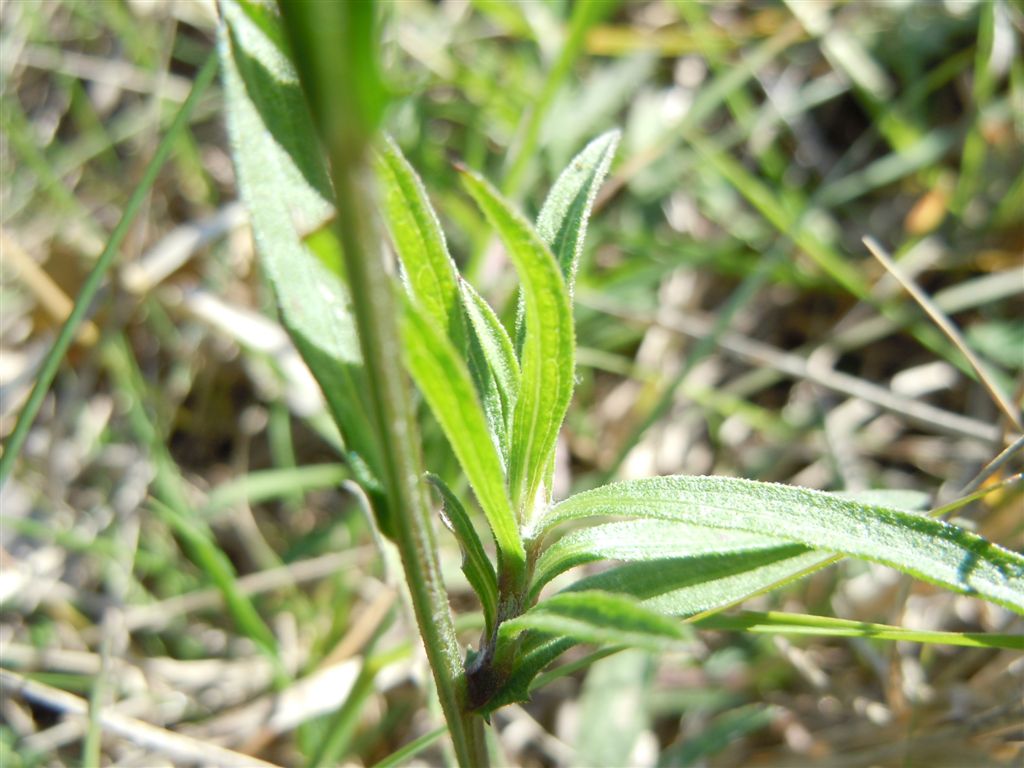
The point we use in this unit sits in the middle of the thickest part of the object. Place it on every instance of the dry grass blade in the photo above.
(49, 295)
(994, 466)
(939, 317)
(180, 748)
(799, 367)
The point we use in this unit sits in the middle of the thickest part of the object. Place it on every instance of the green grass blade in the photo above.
(780, 216)
(598, 617)
(202, 550)
(475, 563)
(445, 382)
(171, 503)
(548, 349)
(774, 622)
(724, 730)
(562, 221)
(928, 549)
(268, 484)
(93, 282)
(584, 16)
(402, 756)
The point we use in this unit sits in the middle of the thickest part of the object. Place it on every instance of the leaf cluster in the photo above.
(684, 547)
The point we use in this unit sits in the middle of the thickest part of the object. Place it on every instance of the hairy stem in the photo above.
(335, 52)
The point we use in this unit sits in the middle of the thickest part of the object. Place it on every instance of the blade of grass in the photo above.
(1011, 413)
(774, 622)
(524, 149)
(413, 748)
(268, 484)
(94, 280)
(171, 503)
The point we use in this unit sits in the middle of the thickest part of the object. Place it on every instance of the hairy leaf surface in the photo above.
(634, 540)
(475, 564)
(562, 222)
(547, 362)
(419, 241)
(928, 549)
(443, 378)
(687, 586)
(280, 176)
(598, 617)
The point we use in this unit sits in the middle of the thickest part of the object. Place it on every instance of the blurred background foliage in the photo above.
(730, 321)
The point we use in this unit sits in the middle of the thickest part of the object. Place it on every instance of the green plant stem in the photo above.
(92, 283)
(337, 73)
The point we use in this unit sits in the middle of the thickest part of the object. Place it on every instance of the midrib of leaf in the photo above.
(925, 548)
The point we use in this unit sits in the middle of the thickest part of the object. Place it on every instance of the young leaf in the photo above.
(445, 382)
(691, 585)
(597, 617)
(928, 549)
(475, 563)
(562, 222)
(419, 241)
(433, 279)
(531, 660)
(638, 540)
(547, 362)
(694, 585)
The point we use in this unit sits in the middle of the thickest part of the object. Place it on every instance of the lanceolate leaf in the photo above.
(597, 617)
(433, 278)
(417, 235)
(691, 585)
(562, 222)
(547, 361)
(929, 549)
(268, 127)
(444, 380)
(475, 563)
(638, 540)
